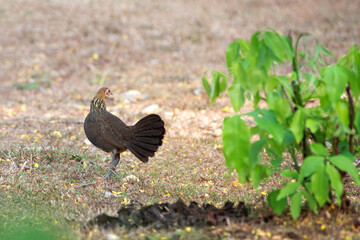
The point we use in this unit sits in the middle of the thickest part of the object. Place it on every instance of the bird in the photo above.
(110, 134)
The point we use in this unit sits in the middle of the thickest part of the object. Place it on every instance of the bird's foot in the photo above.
(111, 171)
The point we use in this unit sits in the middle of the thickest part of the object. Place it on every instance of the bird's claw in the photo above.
(111, 171)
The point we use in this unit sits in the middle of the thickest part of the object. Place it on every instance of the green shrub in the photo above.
(313, 112)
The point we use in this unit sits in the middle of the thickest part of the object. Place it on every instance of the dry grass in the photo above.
(56, 54)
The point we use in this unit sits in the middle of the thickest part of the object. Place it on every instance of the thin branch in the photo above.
(85, 185)
(288, 99)
(293, 156)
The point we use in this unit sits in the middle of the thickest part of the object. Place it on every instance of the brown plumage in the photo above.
(111, 134)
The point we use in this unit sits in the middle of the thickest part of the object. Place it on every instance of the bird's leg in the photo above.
(114, 162)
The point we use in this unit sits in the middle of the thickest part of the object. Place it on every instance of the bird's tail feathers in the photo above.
(148, 136)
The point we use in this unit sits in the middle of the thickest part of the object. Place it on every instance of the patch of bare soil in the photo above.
(235, 220)
(166, 215)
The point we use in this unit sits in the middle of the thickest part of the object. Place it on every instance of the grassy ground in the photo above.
(54, 55)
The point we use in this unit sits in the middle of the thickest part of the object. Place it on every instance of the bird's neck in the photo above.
(97, 105)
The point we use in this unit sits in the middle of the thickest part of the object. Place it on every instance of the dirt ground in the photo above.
(55, 55)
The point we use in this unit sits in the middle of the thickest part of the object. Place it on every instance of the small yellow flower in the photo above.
(95, 56)
(25, 136)
(36, 67)
(36, 165)
(57, 133)
(125, 201)
(188, 229)
(227, 109)
(323, 227)
(124, 36)
(84, 163)
(23, 107)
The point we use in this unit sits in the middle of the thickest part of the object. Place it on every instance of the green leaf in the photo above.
(289, 189)
(342, 111)
(280, 106)
(295, 206)
(206, 86)
(287, 46)
(345, 163)
(297, 126)
(278, 206)
(336, 77)
(285, 82)
(232, 54)
(320, 185)
(310, 164)
(219, 83)
(335, 181)
(272, 147)
(244, 47)
(236, 141)
(312, 124)
(276, 162)
(236, 94)
(268, 122)
(26, 86)
(357, 120)
(254, 154)
(276, 45)
(355, 78)
(323, 50)
(239, 73)
(258, 173)
(289, 138)
(254, 46)
(289, 173)
(311, 201)
(319, 149)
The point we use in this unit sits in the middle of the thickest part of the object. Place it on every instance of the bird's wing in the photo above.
(99, 132)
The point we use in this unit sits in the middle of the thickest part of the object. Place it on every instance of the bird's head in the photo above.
(98, 103)
(103, 93)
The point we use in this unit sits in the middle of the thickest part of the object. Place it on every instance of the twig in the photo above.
(287, 97)
(86, 184)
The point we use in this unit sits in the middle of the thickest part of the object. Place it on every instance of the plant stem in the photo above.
(351, 117)
(296, 88)
(293, 156)
(336, 145)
